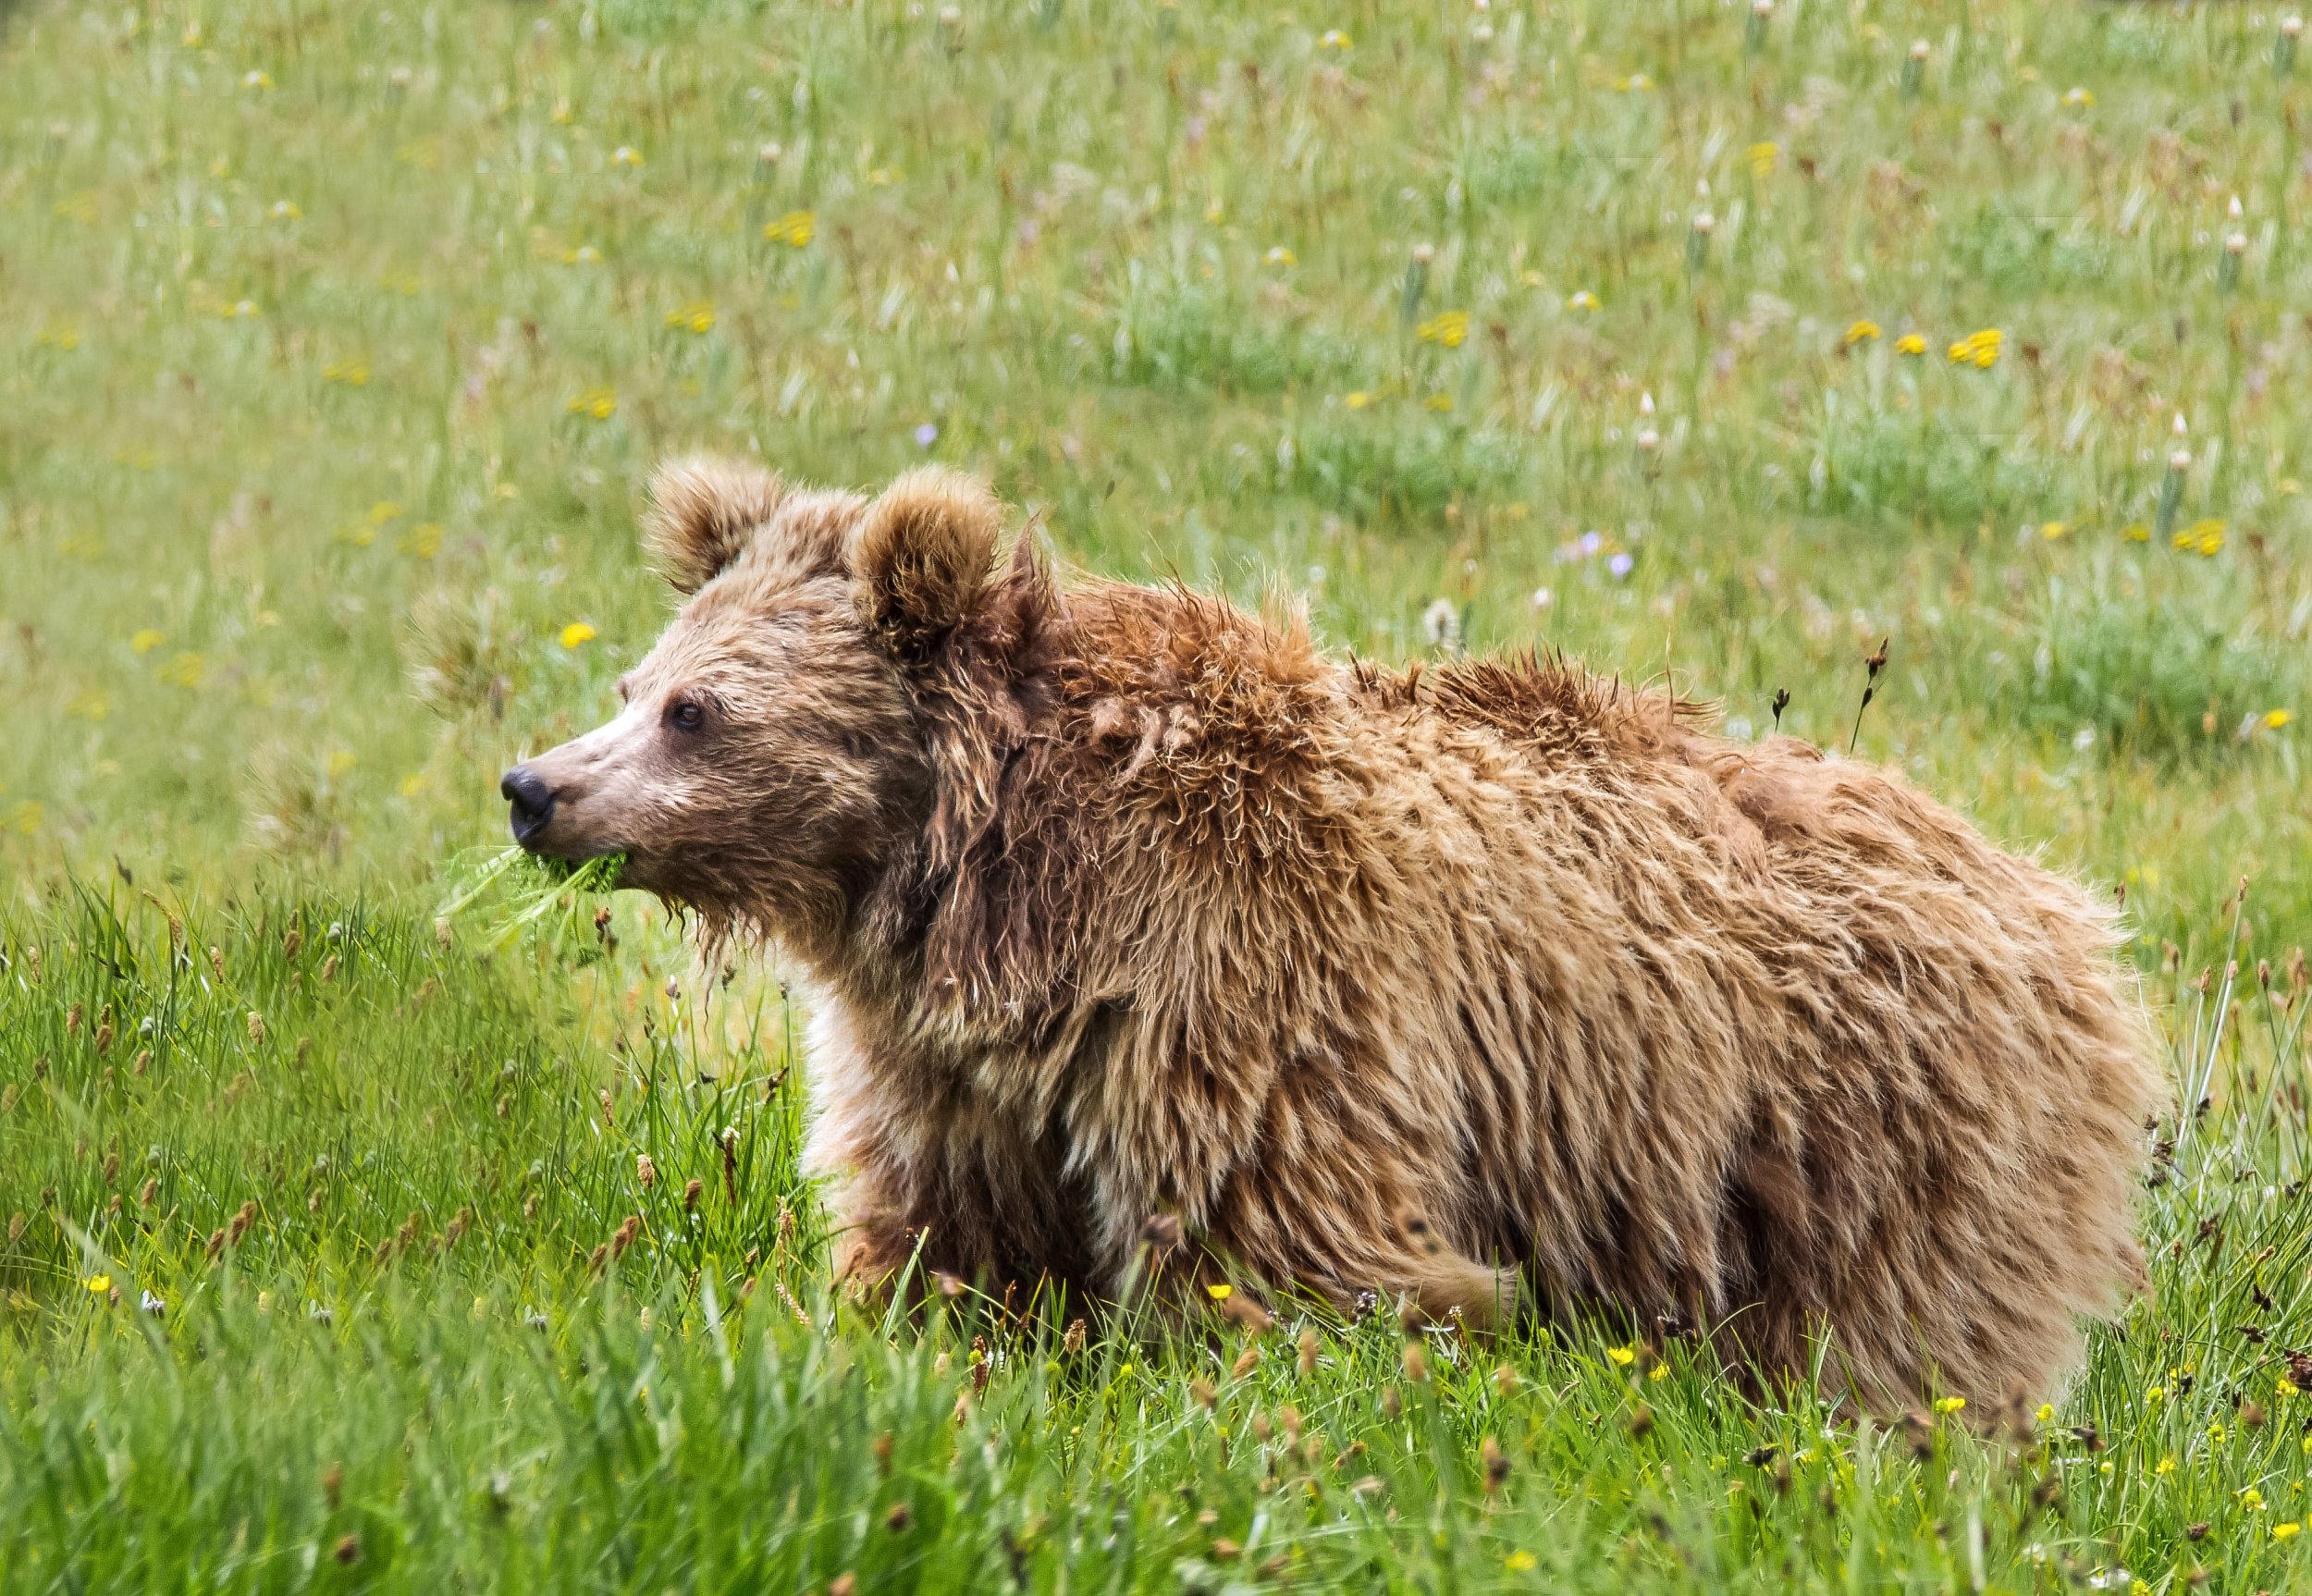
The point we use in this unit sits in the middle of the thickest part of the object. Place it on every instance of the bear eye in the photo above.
(686, 715)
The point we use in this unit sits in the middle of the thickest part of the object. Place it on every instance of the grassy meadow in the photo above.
(350, 1248)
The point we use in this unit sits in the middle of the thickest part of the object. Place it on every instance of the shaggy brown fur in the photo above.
(1496, 981)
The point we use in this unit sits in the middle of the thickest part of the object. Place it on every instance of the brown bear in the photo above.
(1491, 987)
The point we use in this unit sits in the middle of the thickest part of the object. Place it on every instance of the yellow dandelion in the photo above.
(1220, 1291)
(1979, 349)
(2051, 530)
(1519, 1562)
(1450, 328)
(698, 317)
(576, 633)
(1335, 39)
(601, 403)
(1861, 332)
(1950, 1404)
(98, 1285)
(1582, 301)
(1911, 344)
(626, 155)
(794, 229)
(2202, 537)
(1762, 157)
(2286, 1531)
(2274, 720)
(383, 510)
(1623, 1356)
(1357, 400)
(2167, 1466)
(146, 640)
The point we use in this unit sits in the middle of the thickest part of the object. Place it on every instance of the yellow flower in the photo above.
(340, 760)
(583, 255)
(626, 155)
(26, 817)
(576, 633)
(1357, 400)
(2286, 1531)
(1450, 328)
(2202, 537)
(383, 510)
(2156, 1393)
(1861, 332)
(697, 317)
(1334, 39)
(1220, 1291)
(1519, 1562)
(1440, 403)
(184, 671)
(2051, 530)
(256, 80)
(352, 373)
(1911, 344)
(2283, 1387)
(2079, 97)
(2252, 1499)
(2046, 1412)
(1659, 1371)
(1582, 301)
(1622, 1355)
(2274, 720)
(794, 229)
(1950, 1404)
(1979, 349)
(601, 403)
(58, 336)
(145, 640)
(1762, 157)
(1279, 255)
(98, 1284)
(2167, 1466)
(424, 541)
(2136, 531)
(286, 211)
(414, 784)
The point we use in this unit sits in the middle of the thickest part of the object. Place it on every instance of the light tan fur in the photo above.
(1500, 986)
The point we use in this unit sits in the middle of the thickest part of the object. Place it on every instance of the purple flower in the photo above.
(1591, 542)
(926, 435)
(1620, 565)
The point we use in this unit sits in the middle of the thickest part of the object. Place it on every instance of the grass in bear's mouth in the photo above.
(508, 891)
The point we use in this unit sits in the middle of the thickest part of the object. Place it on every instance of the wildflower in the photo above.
(1980, 350)
(1357, 400)
(185, 670)
(1439, 403)
(2052, 530)
(626, 155)
(2081, 98)
(601, 403)
(58, 336)
(284, 211)
(794, 229)
(1861, 332)
(2136, 531)
(2285, 1387)
(1620, 564)
(1582, 301)
(2202, 537)
(1220, 1291)
(698, 317)
(1636, 83)
(1335, 39)
(2156, 1394)
(2286, 1531)
(1911, 344)
(2252, 1499)
(151, 1303)
(1762, 157)
(1279, 255)
(583, 255)
(1623, 1356)
(256, 80)
(340, 760)
(1659, 1371)
(2274, 720)
(1441, 624)
(98, 1285)
(1519, 1562)
(1450, 328)
(1950, 1404)
(352, 373)
(145, 640)
(2167, 1466)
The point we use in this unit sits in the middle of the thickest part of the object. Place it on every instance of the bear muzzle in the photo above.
(530, 804)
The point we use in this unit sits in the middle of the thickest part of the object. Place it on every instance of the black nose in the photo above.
(533, 804)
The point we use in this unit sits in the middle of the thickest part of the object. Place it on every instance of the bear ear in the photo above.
(922, 556)
(704, 511)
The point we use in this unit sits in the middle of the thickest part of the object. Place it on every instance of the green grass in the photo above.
(336, 342)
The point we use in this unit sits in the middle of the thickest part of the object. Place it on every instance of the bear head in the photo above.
(819, 732)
